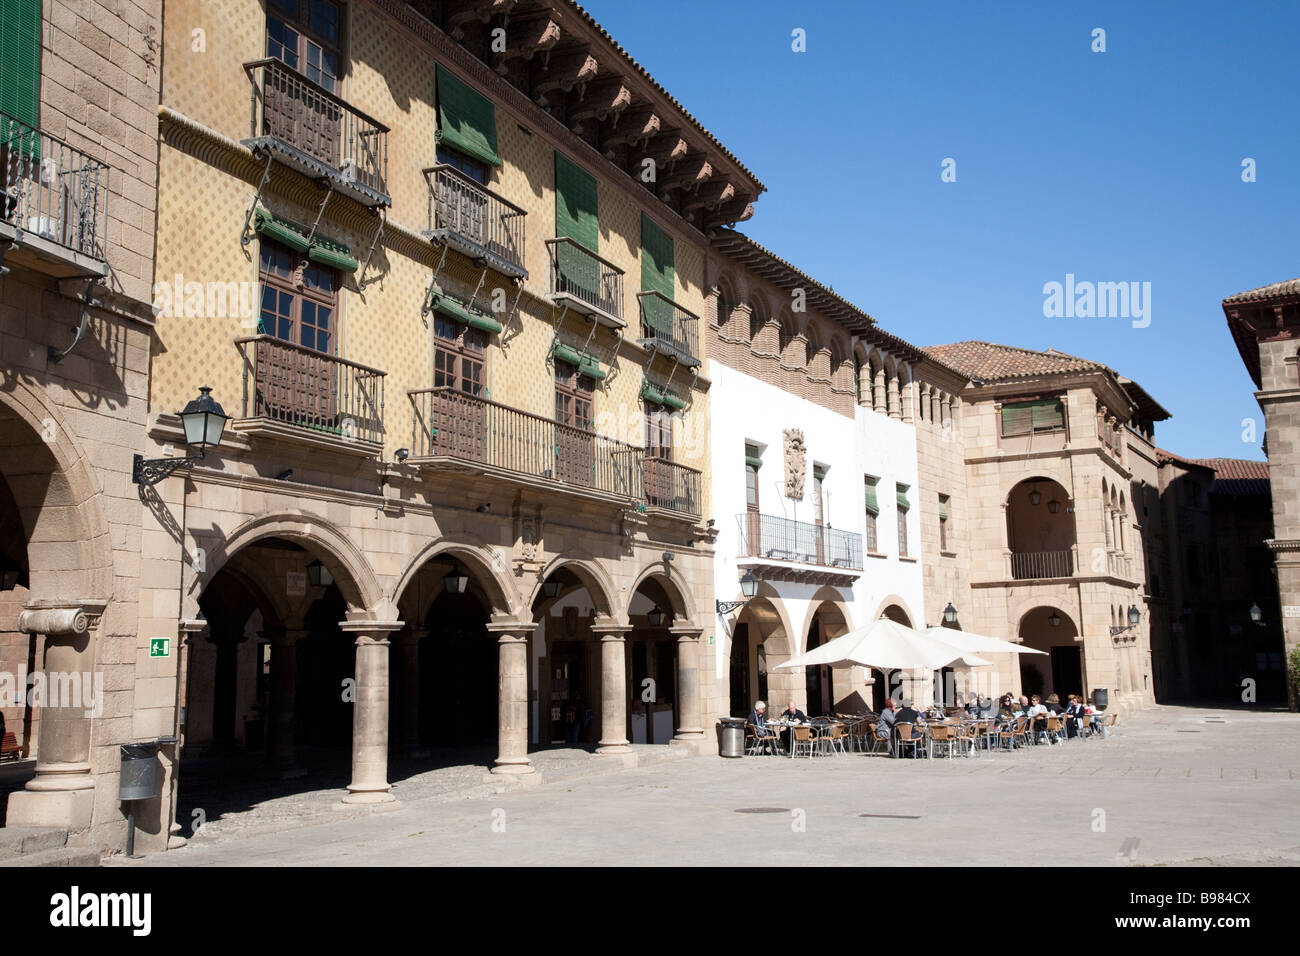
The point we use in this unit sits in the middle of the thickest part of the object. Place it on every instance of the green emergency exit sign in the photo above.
(160, 647)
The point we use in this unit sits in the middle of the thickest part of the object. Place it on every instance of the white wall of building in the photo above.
(743, 409)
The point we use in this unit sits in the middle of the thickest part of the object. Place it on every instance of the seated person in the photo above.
(758, 716)
(1006, 707)
(986, 708)
(1054, 704)
(907, 714)
(885, 725)
(793, 714)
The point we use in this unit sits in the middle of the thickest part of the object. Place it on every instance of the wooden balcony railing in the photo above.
(671, 485)
(1041, 564)
(51, 190)
(482, 223)
(669, 326)
(450, 423)
(299, 386)
(783, 539)
(318, 131)
(592, 282)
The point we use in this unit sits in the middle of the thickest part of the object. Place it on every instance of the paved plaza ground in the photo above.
(1173, 785)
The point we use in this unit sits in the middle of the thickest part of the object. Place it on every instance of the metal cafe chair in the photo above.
(943, 735)
(804, 741)
(909, 736)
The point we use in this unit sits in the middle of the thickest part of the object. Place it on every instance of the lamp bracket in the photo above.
(726, 607)
(150, 471)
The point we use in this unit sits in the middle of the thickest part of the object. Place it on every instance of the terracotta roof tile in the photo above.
(1277, 290)
(1233, 477)
(991, 362)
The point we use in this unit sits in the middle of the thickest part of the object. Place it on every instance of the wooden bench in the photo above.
(10, 748)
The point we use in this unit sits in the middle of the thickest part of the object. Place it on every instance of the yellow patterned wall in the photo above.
(203, 203)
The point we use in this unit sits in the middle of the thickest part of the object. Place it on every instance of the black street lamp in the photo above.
(1054, 619)
(1134, 618)
(319, 575)
(950, 614)
(456, 581)
(551, 588)
(204, 422)
(748, 588)
(656, 617)
(1256, 615)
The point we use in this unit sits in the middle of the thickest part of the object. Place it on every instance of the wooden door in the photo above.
(460, 413)
(575, 443)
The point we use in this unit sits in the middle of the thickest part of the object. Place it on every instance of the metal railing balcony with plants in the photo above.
(784, 539)
(52, 191)
(295, 385)
(666, 326)
(672, 486)
(589, 283)
(317, 132)
(476, 220)
(1041, 564)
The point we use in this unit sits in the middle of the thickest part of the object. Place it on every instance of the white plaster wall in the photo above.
(743, 409)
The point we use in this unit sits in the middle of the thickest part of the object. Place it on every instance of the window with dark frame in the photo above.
(943, 523)
(872, 511)
(476, 170)
(658, 431)
(459, 356)
(902, 522)
(306, 36)
(1030, 417)
(752, 458)
(299, 299)
(573, 396)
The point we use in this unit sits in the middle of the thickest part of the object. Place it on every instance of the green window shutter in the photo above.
(458, 311)
(332, 255)
(652, 394)
(819, 473)
(943, 510)
(901, 498)
(673, 400)
(265, 224)
(752, 457)
(1048, 414)
(1017, 419)
(869, 492)
(588, 365)
(577, 218)
(566, 353)
(20, 61)
(467, 120)
(657, 275)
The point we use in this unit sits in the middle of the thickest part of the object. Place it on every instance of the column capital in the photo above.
(611, 632)
(60, 618)
(686, 632)
(370, 632)
(512, 631)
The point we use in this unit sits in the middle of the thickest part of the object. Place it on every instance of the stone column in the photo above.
(62, 791)
(905, 397)
(894, 398)
(408, 704)
(226, 635)
(512, 698)
(284, 706)
(613, 689)
(370, 713)
(924, 408)
(688, 684)
(878, 402)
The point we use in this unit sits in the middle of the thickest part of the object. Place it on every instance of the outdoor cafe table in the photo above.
(818, 730)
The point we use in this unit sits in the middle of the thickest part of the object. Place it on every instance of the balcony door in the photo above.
(299, 306)
(753, 524)
(575, 443)
(659, 455)
(819, 515)
(460, 206)
(459, 417)
(304, 35)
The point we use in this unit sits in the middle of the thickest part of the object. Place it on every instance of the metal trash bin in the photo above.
(139, 779)
(1101, 697)
(731, 737)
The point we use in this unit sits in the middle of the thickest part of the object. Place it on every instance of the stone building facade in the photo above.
(1264, 324)
(78, 173)
(1057, 451)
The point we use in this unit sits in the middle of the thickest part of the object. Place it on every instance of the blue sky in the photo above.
(1117, 166)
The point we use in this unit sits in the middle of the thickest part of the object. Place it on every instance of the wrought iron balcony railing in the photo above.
(586, 281)
(298, 386)
(450, 423)
(783, 539)
(668, 327)
(476, 220)
(672, 486)
(317, 132)
(1041, 564)
(50, 190)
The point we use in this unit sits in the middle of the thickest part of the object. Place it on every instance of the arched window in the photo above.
(784, 336)
(757, 318)
(726, 304)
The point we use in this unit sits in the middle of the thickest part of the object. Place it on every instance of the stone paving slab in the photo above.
(1118, 802)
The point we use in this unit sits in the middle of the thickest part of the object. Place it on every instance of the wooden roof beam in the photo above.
(562, 72)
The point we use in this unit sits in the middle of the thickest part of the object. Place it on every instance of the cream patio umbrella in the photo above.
(888, 646)
(977, 643)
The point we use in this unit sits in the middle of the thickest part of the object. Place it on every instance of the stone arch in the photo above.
(827, 595)
(593, 578)
(760, 312)
(69, 545)
(897, 603)
(787, 330)
(727, 300)
(670, 579)
(488, 569)
(345, 561)
(1043, 471)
